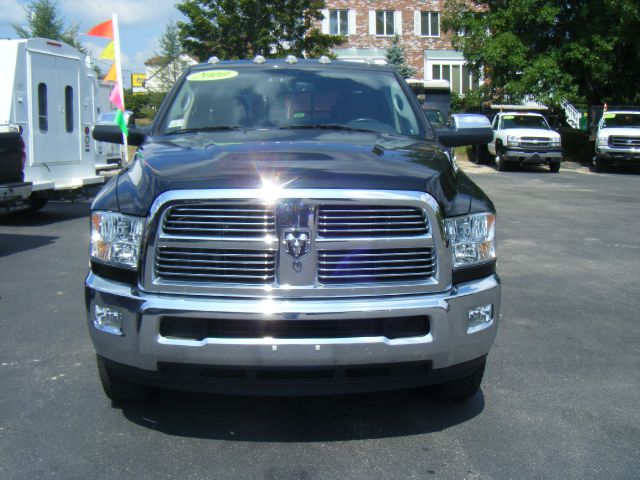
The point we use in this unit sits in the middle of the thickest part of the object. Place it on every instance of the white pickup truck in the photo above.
(524, 138)
(617, 139)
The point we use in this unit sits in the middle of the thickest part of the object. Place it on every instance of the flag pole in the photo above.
(116, 47)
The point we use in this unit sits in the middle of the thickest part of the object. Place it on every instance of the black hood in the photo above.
(297, 159)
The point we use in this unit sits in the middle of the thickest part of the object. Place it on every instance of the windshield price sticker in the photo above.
(212, 75)
(508, 117)
(609, 116)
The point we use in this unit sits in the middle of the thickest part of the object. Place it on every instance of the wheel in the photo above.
(501, 165)
(37, 201)
(599, 164)
(460, 389)
(554, 167)
(474, 154)
(118, 389)
(483, 154)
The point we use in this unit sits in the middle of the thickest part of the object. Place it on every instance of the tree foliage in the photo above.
(172, 57)
(239, 29)
(395, 58)
(583, 50)
(44, 21)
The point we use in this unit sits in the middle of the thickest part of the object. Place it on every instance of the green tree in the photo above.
(172, 57)
(395, 58)
(239, 29)
(583, 50)
(44, 21)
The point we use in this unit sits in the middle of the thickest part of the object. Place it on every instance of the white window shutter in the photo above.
(325, 21)
(397, 19)
(352, 22)
(417, 24)
(372, 22)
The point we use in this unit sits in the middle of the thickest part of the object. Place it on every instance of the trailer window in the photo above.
(43, 117)
(68, 108)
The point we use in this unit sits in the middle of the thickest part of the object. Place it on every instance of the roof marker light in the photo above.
(324, 59)
(214, 60)
(259, 59)
(291, 59)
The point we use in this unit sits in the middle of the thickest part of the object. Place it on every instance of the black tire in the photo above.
(599, 164)
(554, 167)
(474, 154)
(37, 201)
(461, 389)
(118, 389)
(501, 165)
(483, 154)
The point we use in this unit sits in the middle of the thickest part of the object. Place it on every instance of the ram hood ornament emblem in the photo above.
(297, 243)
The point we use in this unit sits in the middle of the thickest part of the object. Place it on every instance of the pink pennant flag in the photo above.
(115, 97)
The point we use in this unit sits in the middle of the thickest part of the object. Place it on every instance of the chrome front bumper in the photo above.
(141, 345)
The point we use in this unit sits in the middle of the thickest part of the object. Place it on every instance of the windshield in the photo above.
(524, 121)
(622, 120)
(270, 98)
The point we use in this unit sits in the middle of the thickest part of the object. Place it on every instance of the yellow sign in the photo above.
(212, 75)
(138, 79)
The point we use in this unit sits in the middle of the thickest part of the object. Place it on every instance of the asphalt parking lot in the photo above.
(560, 398)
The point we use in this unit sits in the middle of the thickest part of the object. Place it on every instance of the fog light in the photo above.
(480, 318)
(108, 320)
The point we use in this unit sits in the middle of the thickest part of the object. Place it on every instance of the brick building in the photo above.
(370, 26)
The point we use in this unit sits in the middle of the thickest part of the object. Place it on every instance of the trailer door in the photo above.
(55, 109)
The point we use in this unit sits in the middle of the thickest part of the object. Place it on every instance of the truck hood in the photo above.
(626, 132)
(297, 159)
(531, 132)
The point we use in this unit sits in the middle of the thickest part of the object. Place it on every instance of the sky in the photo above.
(141, 22)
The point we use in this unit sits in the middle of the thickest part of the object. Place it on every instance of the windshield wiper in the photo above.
(328, 126)
(213, 128)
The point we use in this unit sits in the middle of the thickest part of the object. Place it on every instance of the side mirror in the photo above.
(113, 134)
(465, 129)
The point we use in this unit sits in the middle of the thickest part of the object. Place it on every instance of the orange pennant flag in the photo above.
(105, 29)
(111, 75)
(108, 53)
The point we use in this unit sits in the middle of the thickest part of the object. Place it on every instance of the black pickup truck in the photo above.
(14, 191)
(293, 226)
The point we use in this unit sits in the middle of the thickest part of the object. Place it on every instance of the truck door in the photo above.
(56, 110)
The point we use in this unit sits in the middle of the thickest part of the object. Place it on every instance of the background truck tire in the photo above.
(554, 167)
(37, 201)
(501, 165)
(118, 389)
(598, 164)
(462, 388)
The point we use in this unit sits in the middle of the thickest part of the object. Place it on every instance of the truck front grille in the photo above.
(220, 220)
(374, 266)
(212, 266)
(534, 142)
(337, 221)
(619, 141)
(200, 328)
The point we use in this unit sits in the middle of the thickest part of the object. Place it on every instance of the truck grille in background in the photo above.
(370, 221)
(624, 142)
(217, 266)
(534, 142)
(220, 220)
(375, 266)
(201, 328)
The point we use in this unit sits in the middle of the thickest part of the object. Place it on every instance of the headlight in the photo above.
(554, 142)
(473, 238)
(116, 238)
(513, 141)
(603, 140)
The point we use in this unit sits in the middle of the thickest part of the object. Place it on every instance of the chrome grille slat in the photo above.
(339, 221)
(375, 266)
(620, 141)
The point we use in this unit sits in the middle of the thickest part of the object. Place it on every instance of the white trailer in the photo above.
(48, 89)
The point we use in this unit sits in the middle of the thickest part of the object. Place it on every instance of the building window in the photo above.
(457, 74)
(430, 24)
(339, 22)
(43, 115)
(385, 22)
(68, 108)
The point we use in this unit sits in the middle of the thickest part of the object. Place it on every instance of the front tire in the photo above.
(554, 167)
(462, 388)
(118, 389)
(37, 201)
(501, 165)
(599, 164)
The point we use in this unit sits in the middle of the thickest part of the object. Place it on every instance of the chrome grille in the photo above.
(534, 142)
(213, 265)
(375, 265)
(624, 142)
(335, 221)
(220, 220)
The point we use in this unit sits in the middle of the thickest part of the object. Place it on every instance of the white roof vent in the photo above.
(214, 60)
(259, 59)
(291, 59)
